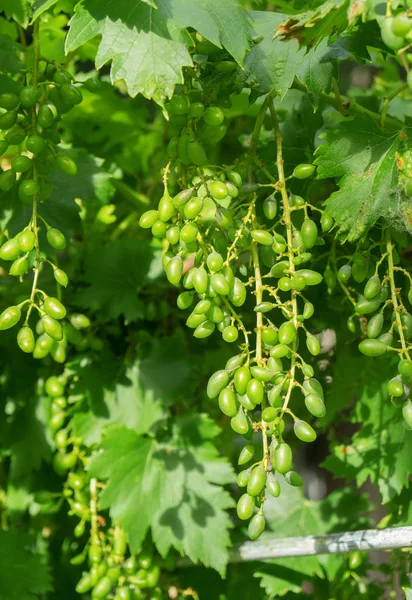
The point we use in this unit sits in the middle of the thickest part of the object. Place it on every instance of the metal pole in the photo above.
(335, 543)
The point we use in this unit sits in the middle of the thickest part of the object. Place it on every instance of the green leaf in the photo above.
(10, 61)
(366, 159)
(271, 64)
(136, 398)
(19, 10)
(381, 436)
(316, 70)
(115, 274)
(223, 23)
(146, 46)
(313, 26)
(23, 573)
(173, 487)
(40, 6)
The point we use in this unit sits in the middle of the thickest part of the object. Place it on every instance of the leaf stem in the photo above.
(394, 297)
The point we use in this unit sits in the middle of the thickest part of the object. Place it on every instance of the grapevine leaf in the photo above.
(291, 7)
(271, 64)
(173, 487)
(115, 274)
(10, 61)
(146, 46)
(223, 23)
(23, 573)
(40, 6)
(19, 10)
(316, 71)
(367, 160)
(381, 437)
(313, 26)
(137, 398)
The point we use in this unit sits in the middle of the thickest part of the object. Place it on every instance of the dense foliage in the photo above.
(206, 279)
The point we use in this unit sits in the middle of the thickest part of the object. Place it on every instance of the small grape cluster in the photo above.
(221, 240)
(30, 119)
(387, 324)
(396, 30)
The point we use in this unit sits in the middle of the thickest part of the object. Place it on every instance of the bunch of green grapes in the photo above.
(229, 245)
(29, 121)
(382, 310)
(396, 30)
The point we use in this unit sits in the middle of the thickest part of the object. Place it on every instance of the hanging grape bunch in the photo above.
(245, 246)
(29, 120)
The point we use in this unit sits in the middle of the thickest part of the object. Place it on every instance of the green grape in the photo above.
(45, 116)
(202, 307)
(371, 347)
(230, 334)
(196, 109)
(366, 307)
(218, 190)
(275, 365)
(214, 262)
(279, 351)
(35, 144)
(204, 329)
(216, 315)
(159, 229)
(172, 147)
(311, 277)
(407, 413)
(410, 296)
(102, 588)
(183, 197)
(313, 385)
(395, 387)
(15, 136)
(264, 307)
(228, 403)
(245, 507)
(307, 370)
(401, 25)
(235, 362)
(220, 284)
(304, 431)
(270, 208)
(285, 284)
(66, 164)
(52, 327)
(283, 458)
(200, 280)
(213, 116)
(196, 153)
(308, 310)
(179, 105)
(29, 187)
(25, 339)
(241, 379)
(71, 94)
(298, 282)
(3, 147)
(80, 321)
(237, 294)
(85, 584)
(173, 235)
(188, 233)
(240, 423)
(313, 345)
(243, 478)
(54, 308)
(56, 238)
(405, 368)
(10, 250)
(9, 100)
(193, 208)
(261, 373)
(28, 96)
(315, 405)
(294, 479)
(326, 222)
(272, 485)
(309, 232)
(269, 336)
(287, 333)
(44, 344)
(262, 237)
(226, 66)
(256, 526)
(174, 270)
(61, 77)
(269, 414)
(19, 267)
(232, 189)
(255, 391)
(345, 273)
(389, 38)
(246, 454)
(53, 387)
(303, 171)
(372, 288)
(61, 277)
(375, 325)
(257, 481)
(193, 321)
(7, 180)
(26, 240)
(216, 383)
(8, 119)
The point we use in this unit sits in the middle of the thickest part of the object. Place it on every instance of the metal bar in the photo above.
(335, 543)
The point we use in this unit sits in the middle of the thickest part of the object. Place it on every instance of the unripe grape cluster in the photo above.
(29, 121)
(230, 245)
(381, 310)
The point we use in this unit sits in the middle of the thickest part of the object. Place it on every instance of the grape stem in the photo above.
(94, 530)
(394, 297)
(288, 223)
(387, 100)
